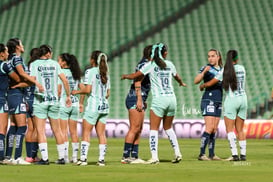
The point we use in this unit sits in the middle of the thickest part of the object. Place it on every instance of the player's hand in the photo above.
(73, 92)
(40, 87)
(123, 77)
(68, 101)
(139, 106)
(201, 87)
(207, 68)
(183, 84)
(81, 108)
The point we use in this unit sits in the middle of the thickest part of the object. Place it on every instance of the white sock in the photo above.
(242, 145)
(153, 139)
(173, 140)
(75, 149)
(66, 149)
(84, 150)
(60, 149)
(102, 151)
(232, 142)
(44, 151)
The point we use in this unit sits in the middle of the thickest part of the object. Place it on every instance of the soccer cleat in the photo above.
(74, 161)
(60, 161)
(215, 158)
(137, 161)
(82, 163)
(233, 158)
(177, 159)
(152, 161)
(101, 163)
(126, 160)
(242, 158)
(7, 161)
(29, 159)
(42, 162)
(36, 159)
(203, 158)
(20, 161)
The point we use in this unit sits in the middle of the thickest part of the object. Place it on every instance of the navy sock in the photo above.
(127, 150)
(20, 135)
(34, 149)
(10, 140)
(204, 142)
(29, 148)
(134, 153)
(211, 144)
(2, 146)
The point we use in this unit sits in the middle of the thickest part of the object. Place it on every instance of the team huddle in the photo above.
(54, 90)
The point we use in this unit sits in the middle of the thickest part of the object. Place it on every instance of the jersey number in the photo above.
(47, 83)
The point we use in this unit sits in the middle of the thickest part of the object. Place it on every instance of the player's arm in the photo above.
(86, 89)
(200, 76)
(108, 93)
(14, 76)
(208, 84)
(59, 90)
(66, 88)
(179, 80)
(27, 77)
(132, 75)
(139, 103)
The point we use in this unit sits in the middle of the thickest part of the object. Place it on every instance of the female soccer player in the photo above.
(97, 85)
(69, 115)
(16, 101)
(211, 104)
(31, 134)
(235, 105)
(46, 104)
(136, 105)
(5, 72)
(163, 106)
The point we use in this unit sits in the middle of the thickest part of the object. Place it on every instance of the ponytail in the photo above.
(157, 51)
(73, 64)
(103, 67)
(75, 67)
(229, 75)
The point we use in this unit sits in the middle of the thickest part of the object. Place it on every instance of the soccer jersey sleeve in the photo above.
(17, 61)
(32, 70)
(5, 67)
(173, 69)
(219, 76)
(146, 68)
(89, 76)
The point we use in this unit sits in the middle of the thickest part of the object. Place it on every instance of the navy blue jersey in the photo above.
(14, 62)
(215, 92)
(5, 69)
(145, 84)
(29, 91)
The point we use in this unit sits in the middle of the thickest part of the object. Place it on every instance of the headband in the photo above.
(99, 58)
(159, 46)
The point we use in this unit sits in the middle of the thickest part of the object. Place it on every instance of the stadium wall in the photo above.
(191, 128)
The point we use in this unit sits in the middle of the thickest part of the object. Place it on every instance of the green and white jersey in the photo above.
(161, 79)
(73, 85)
(46, 72)
(97, 101)
(241, 79)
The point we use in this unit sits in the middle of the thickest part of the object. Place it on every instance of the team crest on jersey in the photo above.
(97, 76)
(156, 69)
(23, 107)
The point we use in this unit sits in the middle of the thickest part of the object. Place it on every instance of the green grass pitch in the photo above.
(258, 166)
